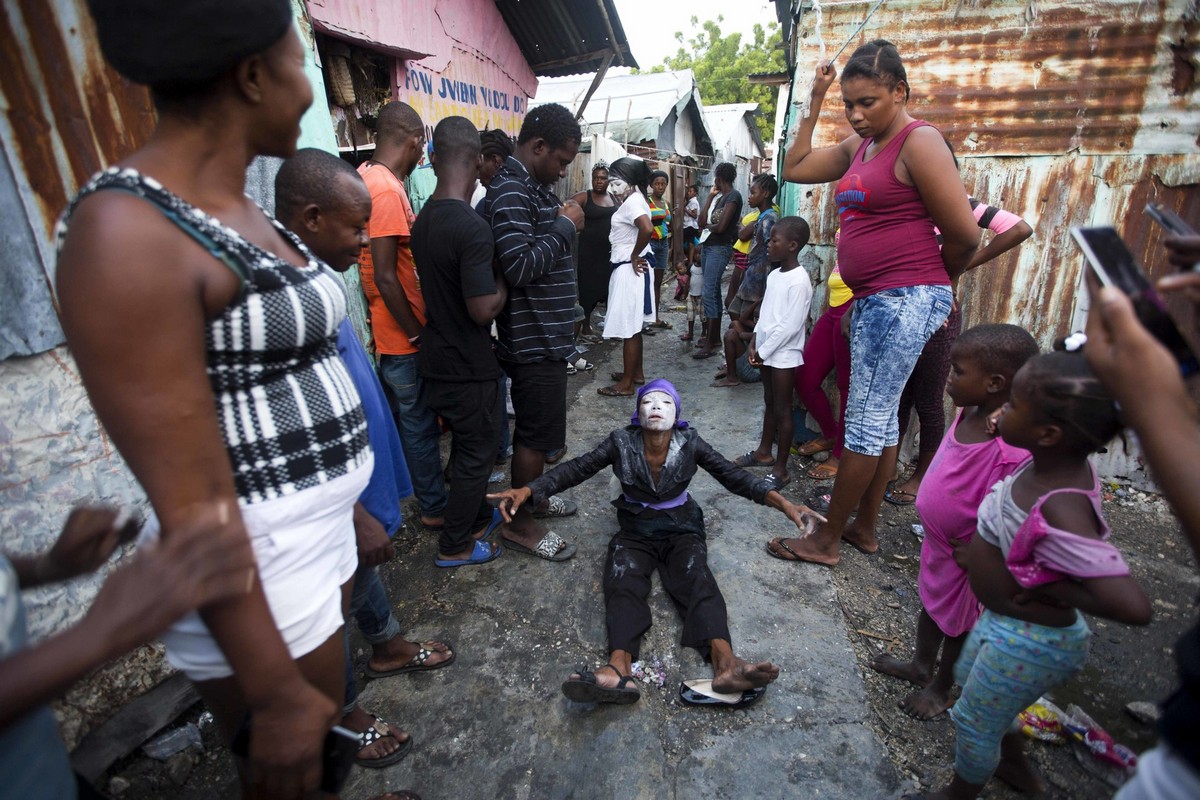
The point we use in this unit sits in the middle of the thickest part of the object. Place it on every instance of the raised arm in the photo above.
(802, 164)
(931, 168)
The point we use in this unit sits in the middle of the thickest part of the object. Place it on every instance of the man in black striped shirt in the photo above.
(534, 233)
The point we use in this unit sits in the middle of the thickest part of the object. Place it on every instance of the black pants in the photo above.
(469, 409)
(682, 563)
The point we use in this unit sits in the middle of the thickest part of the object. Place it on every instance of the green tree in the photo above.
(721, 64)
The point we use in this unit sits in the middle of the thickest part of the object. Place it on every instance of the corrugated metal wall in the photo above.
(1069, 113)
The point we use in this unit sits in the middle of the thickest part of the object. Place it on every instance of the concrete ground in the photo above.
(495, 723)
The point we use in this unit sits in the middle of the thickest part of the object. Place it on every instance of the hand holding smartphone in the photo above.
(1181, 253)
(1114, 265)
(337, 753)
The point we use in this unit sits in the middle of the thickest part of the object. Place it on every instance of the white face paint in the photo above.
(657, 412)
(617, 187)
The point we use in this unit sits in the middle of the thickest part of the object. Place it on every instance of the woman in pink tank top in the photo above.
(896, 183)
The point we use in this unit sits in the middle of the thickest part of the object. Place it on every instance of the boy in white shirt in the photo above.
(777, 345)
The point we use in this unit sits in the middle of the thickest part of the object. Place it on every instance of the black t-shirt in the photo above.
(452, 247)
(729, 236)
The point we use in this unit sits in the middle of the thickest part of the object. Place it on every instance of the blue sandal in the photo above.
(483, 553)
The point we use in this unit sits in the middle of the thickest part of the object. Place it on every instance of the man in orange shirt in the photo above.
(397, 307)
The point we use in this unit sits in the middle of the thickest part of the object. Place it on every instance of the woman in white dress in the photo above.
(631, 285)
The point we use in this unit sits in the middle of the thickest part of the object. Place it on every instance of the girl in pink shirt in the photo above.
(967, 464)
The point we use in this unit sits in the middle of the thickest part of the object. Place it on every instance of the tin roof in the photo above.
(560, 38)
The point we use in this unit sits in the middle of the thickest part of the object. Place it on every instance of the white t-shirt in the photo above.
(691, 214)
(623, 232)
(696, 282)
(783, 318)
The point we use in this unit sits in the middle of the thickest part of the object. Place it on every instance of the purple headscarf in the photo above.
(665, 386)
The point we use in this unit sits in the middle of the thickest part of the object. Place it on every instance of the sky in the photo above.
(653, 39)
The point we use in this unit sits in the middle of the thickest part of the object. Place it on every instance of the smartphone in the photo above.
(337, 753)
(1172, 222)
(1115, 266)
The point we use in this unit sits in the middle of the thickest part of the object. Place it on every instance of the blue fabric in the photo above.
(888, 330)
(372, 611)
(714, 258)
(1005, 666)
(33, 760)
(390, 480)
(419, 431)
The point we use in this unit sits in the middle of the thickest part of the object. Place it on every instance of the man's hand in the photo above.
(510, 500)
(574, 212)
(301, 716)
(88, 538)
(804, 518)
(374, 546)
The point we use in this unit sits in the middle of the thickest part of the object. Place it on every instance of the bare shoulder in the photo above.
(121, 245)
(1072, 511)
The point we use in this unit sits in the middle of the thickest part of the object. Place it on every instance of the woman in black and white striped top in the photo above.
(206, 337)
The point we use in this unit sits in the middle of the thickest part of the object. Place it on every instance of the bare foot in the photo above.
(398, 652)
(803, 549)
(905, 670)
(741, 675)
(725, 382)
(926, 703)
(1016, 769)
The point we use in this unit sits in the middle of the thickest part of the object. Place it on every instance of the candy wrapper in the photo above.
(651, 672)
(1099, 742)
(1043, 721)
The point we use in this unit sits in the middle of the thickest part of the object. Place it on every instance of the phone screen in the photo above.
(1115, 266)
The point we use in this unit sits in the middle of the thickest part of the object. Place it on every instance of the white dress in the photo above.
(628, 292)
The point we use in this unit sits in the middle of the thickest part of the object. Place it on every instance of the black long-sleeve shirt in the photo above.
(624, 451)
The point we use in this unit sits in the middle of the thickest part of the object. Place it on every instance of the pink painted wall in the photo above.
(455, 56)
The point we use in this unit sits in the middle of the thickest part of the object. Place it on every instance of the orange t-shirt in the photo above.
(391, 215)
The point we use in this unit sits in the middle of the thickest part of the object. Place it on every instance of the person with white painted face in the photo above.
(653, 460)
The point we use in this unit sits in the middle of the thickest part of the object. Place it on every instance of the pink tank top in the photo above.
(887, 237)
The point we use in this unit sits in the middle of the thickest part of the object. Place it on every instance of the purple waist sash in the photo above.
(661, 505)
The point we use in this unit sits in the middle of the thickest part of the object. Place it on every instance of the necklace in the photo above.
(385, 166)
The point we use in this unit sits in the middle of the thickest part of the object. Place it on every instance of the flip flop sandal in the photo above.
(582, 365)
(661, 324)
(701, 693)
(571, 370)
(552, 547)
(556, 507)
(794, 556)
(748, 460)
(898, 497)
(482, 553)
(620, 376)
(648, 331)
(416, 663)
(822, 472)
(778, 484)
(584, 689)
(381, 730)
(608, 391)
(812, 448)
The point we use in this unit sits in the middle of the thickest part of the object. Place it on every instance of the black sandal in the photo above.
(381, 730)
(584, 689)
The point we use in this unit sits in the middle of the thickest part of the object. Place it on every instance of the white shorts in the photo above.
(624, 316)
(305, 548)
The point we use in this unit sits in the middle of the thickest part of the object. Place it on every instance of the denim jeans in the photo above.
(888, 331)
(714, 258)
(662, 252)
(419, 431)
(373, 614)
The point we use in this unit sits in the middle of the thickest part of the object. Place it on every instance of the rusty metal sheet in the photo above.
(1006, 78)
(65, 115)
